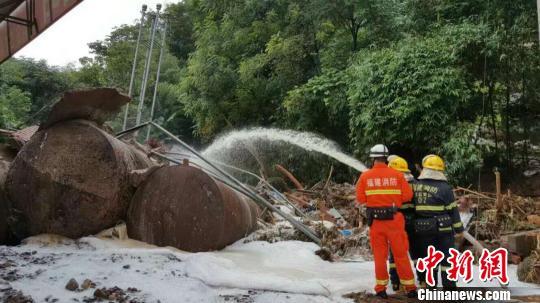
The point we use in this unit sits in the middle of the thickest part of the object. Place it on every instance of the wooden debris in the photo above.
(499, 201)
(323, 212)
(472, 192)
(534, 219)
(290, 176)
(300, 200)
(487, 216)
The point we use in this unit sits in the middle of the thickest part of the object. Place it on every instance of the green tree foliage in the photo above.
(14, 106)
(463, 158)
(182, 17)
(321, 106)
(410, 93)
(454, 77)
(28, 88)
(247, 58)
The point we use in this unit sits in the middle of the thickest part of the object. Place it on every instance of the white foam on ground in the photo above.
(287, 271)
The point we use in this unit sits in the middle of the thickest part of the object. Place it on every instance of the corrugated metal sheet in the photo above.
(24, 20)
(7, 6)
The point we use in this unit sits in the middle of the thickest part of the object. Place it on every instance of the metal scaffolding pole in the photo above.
(163, 36)
(147, 65)
(134, 68)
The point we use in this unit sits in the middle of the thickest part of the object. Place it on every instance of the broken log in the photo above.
(475, 193)
(290, 176)
(299, 200)
(183, 207)
(499, 200)
(72, 179)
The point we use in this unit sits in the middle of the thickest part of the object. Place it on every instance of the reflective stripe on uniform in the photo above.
(392, 265)
(451, 206)
(373, 192)
(445, 268)
(445, 229)
(430, 207)
(457, 225)
(406, 282)
(381, 282)
(407, 205)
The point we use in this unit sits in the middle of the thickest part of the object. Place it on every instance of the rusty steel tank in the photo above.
(72, 179)
(4, 213)
(183, 207)
(6, 157)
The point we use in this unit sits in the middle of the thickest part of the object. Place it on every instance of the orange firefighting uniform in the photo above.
(383, 186)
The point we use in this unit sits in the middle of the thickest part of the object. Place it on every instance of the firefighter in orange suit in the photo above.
(383, 189)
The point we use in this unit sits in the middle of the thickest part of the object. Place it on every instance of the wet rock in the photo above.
(87, 283)
(72, 285)
(101, 293)
(324, 254)
(529, 269)
(7, 264)
(51, 299)
(14, 296)
(114, 294)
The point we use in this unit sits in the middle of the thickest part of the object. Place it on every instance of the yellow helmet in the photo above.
(391, 157)
(433, 162)
(399, 164)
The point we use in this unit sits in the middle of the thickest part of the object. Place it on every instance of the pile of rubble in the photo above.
(495, 220)
(495, 216)
(327, 207)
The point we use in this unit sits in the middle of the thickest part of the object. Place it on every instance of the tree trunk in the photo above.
(508, 136)
(493, 122)
(355, 27)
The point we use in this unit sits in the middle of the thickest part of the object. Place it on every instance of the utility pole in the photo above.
(147, 65)
(134, 68)
(163, 36)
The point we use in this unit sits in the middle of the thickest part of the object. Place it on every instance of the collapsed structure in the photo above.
(73, 178)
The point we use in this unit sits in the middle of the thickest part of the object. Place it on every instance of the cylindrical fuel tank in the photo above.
(183, 207)
(4, 231)
(7, 155)
(72, 179)
(5, 160)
